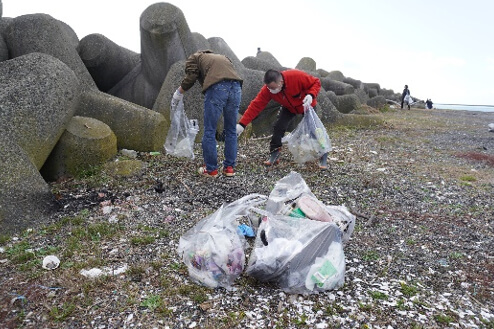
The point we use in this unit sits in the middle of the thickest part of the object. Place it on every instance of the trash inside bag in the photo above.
(298, 240)
(292, 197)
(300, 255)
(182, 133)
(213, 249)
(309, 140)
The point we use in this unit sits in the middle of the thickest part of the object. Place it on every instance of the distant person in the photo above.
(405, 97)
(258, 50)
(428, 104)
(294, 90)
(221, 86)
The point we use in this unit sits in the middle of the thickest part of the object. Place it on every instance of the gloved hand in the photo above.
(240, 129)
(177, 97)
(307, 101)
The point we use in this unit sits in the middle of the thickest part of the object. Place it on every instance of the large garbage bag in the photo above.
(182, 133)
(292, 197)
(309, 140)
(299, 254)
(213, 249)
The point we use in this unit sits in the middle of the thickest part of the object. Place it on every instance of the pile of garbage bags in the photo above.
(298, 241)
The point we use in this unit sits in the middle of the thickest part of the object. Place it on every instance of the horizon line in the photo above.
(464, 105)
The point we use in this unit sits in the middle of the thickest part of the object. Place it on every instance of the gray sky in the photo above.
(442, 49)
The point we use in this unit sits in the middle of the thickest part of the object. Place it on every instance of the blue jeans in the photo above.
(221, 98)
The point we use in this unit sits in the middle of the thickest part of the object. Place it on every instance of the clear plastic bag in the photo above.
(182, 133)
(301, 255)
(292, 197)
(213, 249)
(309, 140)
(408, 99)
(299, 241)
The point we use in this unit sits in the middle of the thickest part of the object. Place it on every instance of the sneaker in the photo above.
(203, 172)
(228, 171)
(268, 163)
(323, 162)
(274, 158)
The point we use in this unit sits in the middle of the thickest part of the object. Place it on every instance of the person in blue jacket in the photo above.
(406, 92)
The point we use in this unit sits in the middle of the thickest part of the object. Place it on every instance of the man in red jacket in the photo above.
(294, 90)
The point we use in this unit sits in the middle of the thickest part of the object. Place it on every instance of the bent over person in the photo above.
(222, 89)
(294, 90)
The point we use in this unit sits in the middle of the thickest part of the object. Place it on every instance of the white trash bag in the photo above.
(213, 249)
(301, 255)
(181, 134)
(309, 140)
(292, 197)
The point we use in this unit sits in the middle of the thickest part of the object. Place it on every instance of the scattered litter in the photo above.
(443, 262)
(17, 297)
(154, 153)
(51, 262)
(107, 209)
(129, 153)
(96, 272)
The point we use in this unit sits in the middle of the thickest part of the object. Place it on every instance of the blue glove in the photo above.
(246, 230)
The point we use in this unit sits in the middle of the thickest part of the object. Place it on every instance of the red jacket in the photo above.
(297, 84)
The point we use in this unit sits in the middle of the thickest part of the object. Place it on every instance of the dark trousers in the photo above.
(280, 126)
(403, 101)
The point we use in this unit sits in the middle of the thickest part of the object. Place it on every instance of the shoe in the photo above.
(274, 158)
(228, 171)
(323, 162)
(203, 172)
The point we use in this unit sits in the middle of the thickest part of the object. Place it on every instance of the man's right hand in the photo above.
(177, 97)
(240, 129)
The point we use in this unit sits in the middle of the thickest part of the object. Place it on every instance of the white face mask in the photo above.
(274, 91)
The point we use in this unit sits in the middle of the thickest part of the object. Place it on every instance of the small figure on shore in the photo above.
(258, 50)
(405, 97)
(428, 104)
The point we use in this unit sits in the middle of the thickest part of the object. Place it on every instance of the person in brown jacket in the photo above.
(222, 89)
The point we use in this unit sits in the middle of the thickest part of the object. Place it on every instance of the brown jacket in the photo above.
(208, 68)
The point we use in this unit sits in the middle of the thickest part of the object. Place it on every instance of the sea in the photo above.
(463, 107)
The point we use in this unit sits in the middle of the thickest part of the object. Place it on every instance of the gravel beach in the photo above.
(420, 184)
